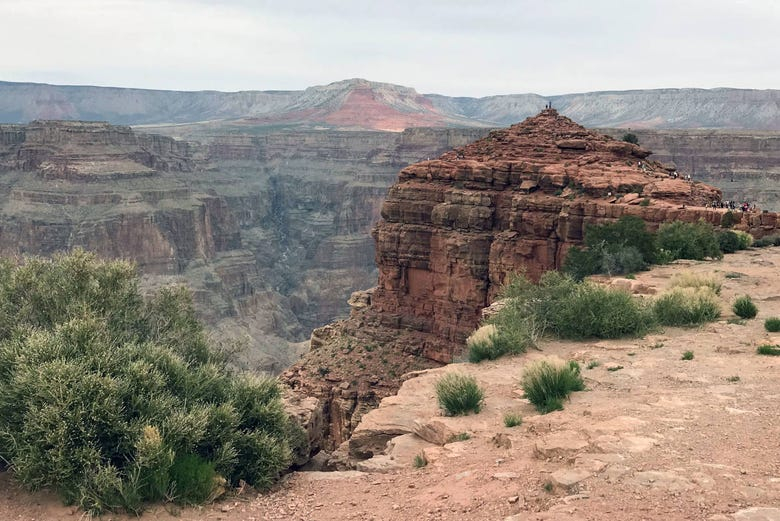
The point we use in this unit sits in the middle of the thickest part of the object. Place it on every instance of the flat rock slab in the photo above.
(434, 431)
(404, 448)
(560, 444)
(381, 464)
(568, 478)
(758, 514)
(630, 444)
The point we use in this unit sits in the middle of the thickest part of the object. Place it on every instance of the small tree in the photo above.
(630, 137)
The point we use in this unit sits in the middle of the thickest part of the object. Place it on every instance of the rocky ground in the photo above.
(652, 437)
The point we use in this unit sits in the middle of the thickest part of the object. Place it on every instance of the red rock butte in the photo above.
(454, 228)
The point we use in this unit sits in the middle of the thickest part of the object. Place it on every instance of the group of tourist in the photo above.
(675, 175)
(732, 205)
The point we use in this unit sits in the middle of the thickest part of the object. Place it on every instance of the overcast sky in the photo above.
(453, 47)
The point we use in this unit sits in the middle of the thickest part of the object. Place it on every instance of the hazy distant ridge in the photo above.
(351, 99)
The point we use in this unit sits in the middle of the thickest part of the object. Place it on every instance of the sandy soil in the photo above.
(659, 438)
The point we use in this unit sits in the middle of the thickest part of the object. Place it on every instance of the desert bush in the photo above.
(688, 355)
(689, 279)
(772, 324)
(570, 309)
(686, 306)
(420, 460)
(769, 240)
(728, 241)
(593, 311)
(195, 479)
(512, 419)
(624, 246)
(728, 219)
(103, 394)
(684, 240)
(459, 394)
(768, 350)
(630, 137)
(745, 239)
(744, 307)
(548, 382)
(490, 343)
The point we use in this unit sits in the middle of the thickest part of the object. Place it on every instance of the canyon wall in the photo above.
(271, 232)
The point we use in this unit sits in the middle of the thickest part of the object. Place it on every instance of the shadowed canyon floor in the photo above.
(660, 438)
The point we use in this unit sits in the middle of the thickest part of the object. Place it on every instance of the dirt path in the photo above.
(660, 438)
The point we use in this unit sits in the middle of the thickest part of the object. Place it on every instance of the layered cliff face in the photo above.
(454, 228)
(271, 232)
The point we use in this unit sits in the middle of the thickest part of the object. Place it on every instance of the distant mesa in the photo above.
(359, 104)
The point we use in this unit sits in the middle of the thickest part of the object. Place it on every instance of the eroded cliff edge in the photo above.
(455, 227)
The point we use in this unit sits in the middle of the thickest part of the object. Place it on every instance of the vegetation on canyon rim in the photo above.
(568, 307)
(113, 400)
(744, 307)
(626, 246)
(548, 382)
(772, 324)
(459, 394)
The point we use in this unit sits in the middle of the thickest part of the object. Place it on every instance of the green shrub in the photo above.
(548, 382)
(568, 308)
(768, 350)
(728, 241)
(420, 461)
(772, 324)
(745, 239)
(512, 419)
(744, 307)
(594, 311)
(461, 436)
(580, 263)
(487, 343)
(194, 479)
(459, 394)
(686, 306)
(684, 240)
(630, 137)
(627, 259)
(101, 392)
(769, 240)
(688, 355)
(624, 246)
(728, 219)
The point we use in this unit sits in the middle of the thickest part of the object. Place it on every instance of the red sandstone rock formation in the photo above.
(454, 228)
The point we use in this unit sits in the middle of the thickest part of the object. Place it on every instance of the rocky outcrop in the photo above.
(745, 165)
(454, 228)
